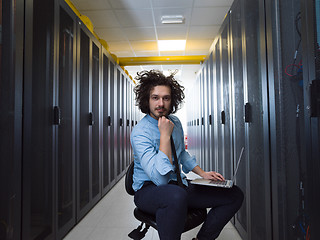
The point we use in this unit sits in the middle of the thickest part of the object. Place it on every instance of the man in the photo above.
(154, 172)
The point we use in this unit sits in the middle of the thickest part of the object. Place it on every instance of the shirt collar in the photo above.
(152, 120)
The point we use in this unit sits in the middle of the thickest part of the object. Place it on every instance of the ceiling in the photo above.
(131, 28)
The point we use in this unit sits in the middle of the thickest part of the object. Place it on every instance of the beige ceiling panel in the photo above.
(172, 53)
(140, 34)
(146, 53)
(119, 45)
(171, 3)
(91, 5)
(102, 18)
(213, 3)
(172, 33)
(208, 16)
(203, 32)
(197, 52)
(132, 4)
(111, 34)
(135, 18)
(144, 45)
(198, 44)
(123, 53)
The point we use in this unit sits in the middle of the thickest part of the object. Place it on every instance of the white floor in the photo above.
(112, 219)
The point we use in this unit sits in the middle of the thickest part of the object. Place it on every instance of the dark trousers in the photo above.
(170, 203)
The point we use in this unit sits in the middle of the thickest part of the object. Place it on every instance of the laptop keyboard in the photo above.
(222, 183)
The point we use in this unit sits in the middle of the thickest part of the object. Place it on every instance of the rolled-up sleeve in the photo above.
(187, 161)
(153, 161)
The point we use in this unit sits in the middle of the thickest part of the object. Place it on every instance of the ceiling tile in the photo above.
(135, 18)
(213, 3)
(119, 45)
(203, 32)
(111, 34)
(123, 53)
(102, 18)
(133, 70)
(146, 53)
(144, 45)
(125, 4)
(197, 52)
(171, 53)
(171, 4)
(91, 5)
(198, 44)
(208, 16)
(172, 33)
(134, 34)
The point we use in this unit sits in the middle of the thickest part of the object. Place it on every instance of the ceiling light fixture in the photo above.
(172, 19)
(171, 45)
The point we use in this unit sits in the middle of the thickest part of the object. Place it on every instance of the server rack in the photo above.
(64, 111)
(53, 107)
(11, 98)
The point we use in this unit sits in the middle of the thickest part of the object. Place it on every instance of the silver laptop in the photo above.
(224, 184)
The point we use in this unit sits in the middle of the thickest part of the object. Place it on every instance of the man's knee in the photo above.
(238, 196)
(177, 196)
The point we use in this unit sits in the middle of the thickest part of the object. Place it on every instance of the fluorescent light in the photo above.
(171, 45)
(172, 19)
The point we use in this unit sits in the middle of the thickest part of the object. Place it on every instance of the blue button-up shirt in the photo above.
(151, 164)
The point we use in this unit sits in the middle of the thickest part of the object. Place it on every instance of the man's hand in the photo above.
(208, 175)
(212, 176)
(165, 126)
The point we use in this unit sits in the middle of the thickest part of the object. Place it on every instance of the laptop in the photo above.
(224, 184)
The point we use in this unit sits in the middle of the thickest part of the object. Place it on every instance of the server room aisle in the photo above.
(112, 219)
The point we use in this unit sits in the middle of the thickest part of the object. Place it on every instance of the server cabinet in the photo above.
(237, 87)
(106, 123)
(201, 119)
(205, 145)
(128, 121)
(256, 122)
(112, 137)
(208, 145)
(122, 123)
(218, 109)
(225, 114)
(11, 82)
(64, 119)
(214, 127)
(83, 125)
(88, 160)
(117, 128)
(94, 118)
(310, 36)
(287, 121)
(198, 120)
(210, 112)
(38, 158)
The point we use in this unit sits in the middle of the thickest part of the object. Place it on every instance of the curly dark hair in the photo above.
(147, 80)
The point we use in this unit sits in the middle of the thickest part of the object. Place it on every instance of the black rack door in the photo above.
(11, 97)
(38, 160)
(84, 127)
(106, 121)
(95, 123)
(65, 121)
(238, 104)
